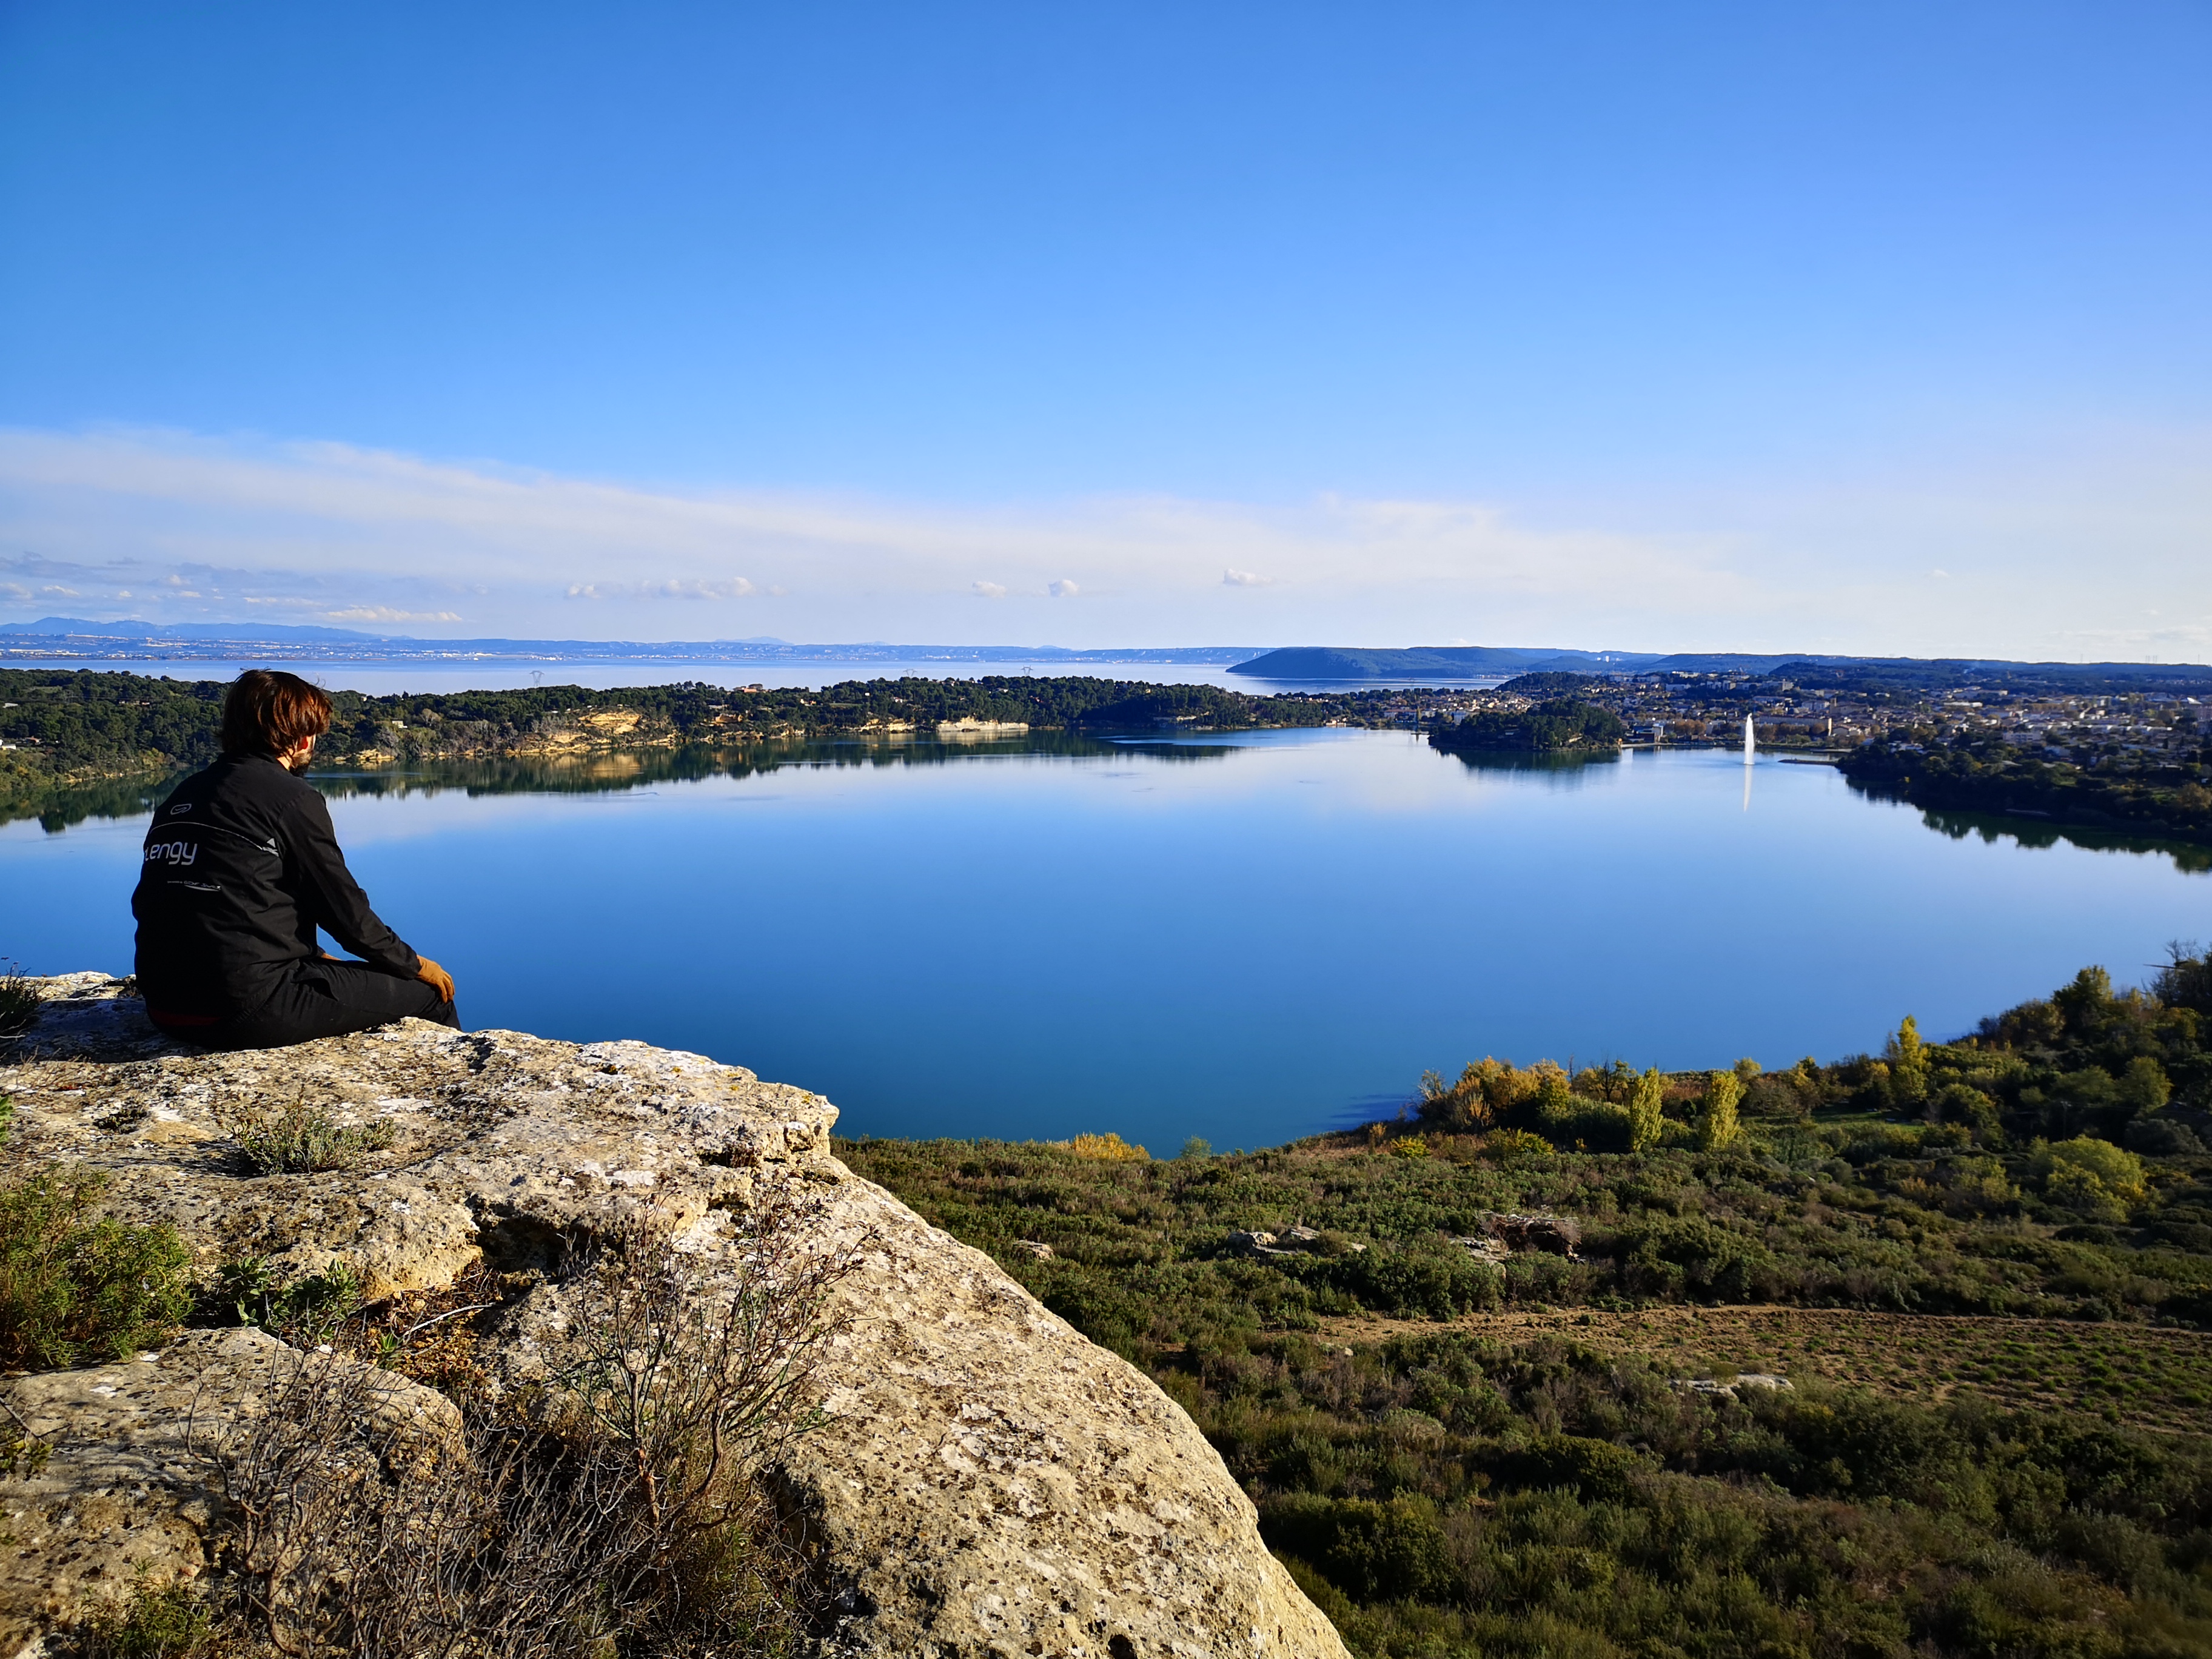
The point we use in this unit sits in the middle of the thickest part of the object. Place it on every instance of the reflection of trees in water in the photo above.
(1993, 827)
(1564, 768)
(628, 768)
(58, 809)
(613, 771)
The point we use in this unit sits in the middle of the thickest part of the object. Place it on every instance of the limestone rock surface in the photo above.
(984, 1482)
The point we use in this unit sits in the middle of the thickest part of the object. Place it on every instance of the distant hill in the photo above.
(1440, 662)
(1443, 663)
(51, 637)
(57, 639)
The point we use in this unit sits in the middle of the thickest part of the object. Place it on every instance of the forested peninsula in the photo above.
(1910, 1353)
(2156, 793)
(1556, 725)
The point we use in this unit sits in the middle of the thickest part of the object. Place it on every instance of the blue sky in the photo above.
(1860, 327)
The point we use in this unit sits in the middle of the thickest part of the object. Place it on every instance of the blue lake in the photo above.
(1248, 938)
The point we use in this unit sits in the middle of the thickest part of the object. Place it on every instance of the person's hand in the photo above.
(436, 977)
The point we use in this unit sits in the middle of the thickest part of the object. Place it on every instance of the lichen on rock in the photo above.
(982, 1480)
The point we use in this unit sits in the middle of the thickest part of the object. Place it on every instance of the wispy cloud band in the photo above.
(177, 525)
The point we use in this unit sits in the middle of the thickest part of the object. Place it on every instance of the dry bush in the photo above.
(1108, 1148)
(19, 1003)
(615, 1511)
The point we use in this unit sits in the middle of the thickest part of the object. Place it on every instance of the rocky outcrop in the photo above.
(984, 1481)
(128, 1495)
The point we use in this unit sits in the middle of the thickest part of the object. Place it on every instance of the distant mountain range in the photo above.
(76, 636)
(1440, 662)
(64, 638)
(1472, 662)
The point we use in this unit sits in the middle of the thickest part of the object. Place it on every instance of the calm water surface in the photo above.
(1247, 939)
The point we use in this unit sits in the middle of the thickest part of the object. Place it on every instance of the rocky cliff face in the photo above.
(984, 1482)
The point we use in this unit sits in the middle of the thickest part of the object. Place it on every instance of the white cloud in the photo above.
(2044, 557)
(735, 587)
(385, 613)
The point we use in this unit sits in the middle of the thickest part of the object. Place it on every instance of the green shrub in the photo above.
(1111, 1315)
(1392, 1550)
(1439, 1280)
(1716, 1118)
(74, 1286)
(304, 1311)
(298, 1139)
(171, 1623)
(1595, 1470)
(2093, 1177)
(1646, 1121)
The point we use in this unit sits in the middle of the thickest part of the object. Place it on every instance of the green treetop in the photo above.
(1645, 1123)
(1908, 1068)
(1717, 1126)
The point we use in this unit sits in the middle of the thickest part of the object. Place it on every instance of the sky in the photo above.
(1866, 327)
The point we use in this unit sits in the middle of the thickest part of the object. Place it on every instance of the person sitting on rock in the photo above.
(241, 866)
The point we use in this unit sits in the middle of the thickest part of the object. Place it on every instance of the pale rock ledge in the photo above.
(987, 1482)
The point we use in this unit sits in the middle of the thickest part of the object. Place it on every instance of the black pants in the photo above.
(321, 999)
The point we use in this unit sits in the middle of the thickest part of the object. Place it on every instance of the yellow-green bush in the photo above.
(2094, 1177)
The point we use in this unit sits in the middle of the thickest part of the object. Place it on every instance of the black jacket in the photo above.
(241, 866)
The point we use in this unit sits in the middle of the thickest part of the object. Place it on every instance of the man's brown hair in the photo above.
(268, 712)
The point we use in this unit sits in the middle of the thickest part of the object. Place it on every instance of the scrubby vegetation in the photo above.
(299, 1137)
(1449, 1356)
(154, 1622)
(610, 1511)
(76, 1286)
(1445, 1494)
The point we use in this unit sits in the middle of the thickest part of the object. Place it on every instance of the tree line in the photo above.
(64, 727)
